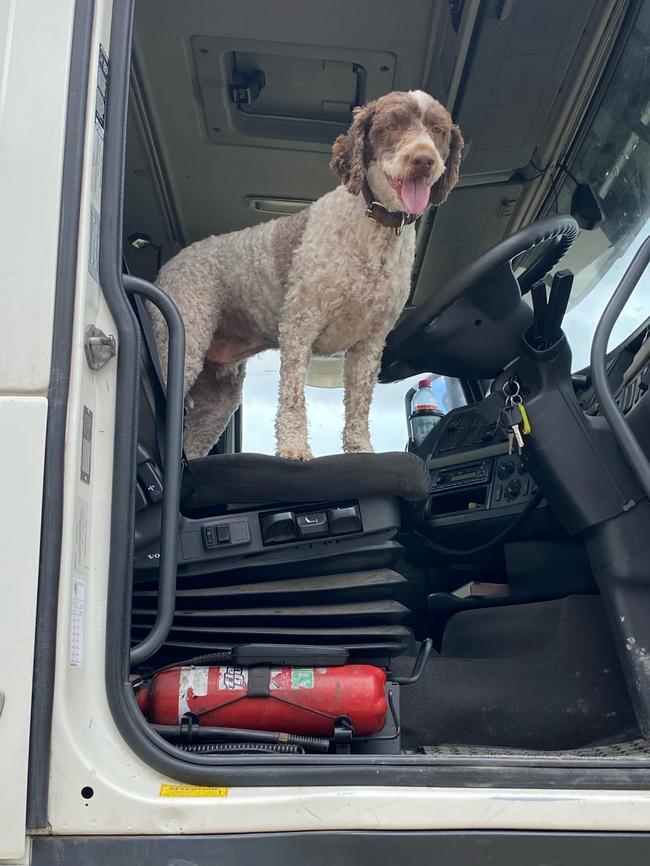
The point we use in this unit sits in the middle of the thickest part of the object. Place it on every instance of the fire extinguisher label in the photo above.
(291, 678)
(192, 683)
(302, 678)
(233, 678)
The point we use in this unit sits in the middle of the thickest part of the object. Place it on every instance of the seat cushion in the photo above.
(260, 478)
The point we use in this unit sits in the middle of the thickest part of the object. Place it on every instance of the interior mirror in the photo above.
(585, 207)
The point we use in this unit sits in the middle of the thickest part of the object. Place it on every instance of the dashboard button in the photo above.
(512, 489)
(505, 468)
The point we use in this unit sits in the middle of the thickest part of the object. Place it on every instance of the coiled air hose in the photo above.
(241, 748)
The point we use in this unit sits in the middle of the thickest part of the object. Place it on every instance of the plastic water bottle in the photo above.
(425, 413)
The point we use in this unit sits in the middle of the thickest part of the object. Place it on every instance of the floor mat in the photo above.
(543, 676)
(638, 748)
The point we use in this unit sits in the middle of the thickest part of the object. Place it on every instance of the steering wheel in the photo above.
(472, 325)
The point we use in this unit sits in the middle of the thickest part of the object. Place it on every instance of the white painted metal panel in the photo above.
(34, 59)
(22, 447)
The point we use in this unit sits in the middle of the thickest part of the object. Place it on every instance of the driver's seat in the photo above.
(277, 551)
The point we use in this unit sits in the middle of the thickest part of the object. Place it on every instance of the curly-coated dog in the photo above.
(332, 278)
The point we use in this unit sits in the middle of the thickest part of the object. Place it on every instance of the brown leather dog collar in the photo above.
(389, 218)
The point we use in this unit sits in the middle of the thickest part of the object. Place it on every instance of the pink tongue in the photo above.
(415, 195)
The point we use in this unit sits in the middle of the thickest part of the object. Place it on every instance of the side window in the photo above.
(388, 426)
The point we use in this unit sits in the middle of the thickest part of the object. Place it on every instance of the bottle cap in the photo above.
(424, 383)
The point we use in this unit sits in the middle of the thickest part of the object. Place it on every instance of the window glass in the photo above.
(614, 158)
(388, 426)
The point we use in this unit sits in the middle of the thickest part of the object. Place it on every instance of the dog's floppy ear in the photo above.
(441, 189)
(349, 150)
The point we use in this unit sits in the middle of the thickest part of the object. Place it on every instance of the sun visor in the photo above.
(517, 70)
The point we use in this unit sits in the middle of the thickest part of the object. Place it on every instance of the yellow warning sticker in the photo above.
(192, 791)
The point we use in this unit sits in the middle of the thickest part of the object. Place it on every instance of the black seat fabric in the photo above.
(260, 478)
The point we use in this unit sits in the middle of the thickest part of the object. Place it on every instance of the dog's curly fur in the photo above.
(324, 280)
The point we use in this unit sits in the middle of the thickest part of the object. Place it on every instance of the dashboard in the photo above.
(472, 476)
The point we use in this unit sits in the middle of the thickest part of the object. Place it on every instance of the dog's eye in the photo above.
(393, 126)
(436, 129)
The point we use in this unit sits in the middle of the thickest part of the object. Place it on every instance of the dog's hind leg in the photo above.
(214, 397)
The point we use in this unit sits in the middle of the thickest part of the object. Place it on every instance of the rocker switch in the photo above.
(223, 535)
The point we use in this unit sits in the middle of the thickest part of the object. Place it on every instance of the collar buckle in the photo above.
(371, 207)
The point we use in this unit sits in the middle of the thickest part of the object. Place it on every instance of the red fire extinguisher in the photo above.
(295, 700)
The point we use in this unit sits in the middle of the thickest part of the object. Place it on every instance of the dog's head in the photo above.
(407, 145)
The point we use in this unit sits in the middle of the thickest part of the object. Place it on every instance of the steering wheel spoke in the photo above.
(472, 325)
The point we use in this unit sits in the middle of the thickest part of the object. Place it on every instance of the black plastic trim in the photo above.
(326, 770)
(350, 848)
(118, 613)
(52, 509)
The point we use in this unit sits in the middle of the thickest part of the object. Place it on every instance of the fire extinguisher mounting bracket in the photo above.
(289, 655)
(259, 681)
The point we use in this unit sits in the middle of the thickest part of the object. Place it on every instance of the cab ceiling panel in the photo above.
(521, 57)
(245, 97)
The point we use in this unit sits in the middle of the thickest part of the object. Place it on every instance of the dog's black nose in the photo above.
(421, 161)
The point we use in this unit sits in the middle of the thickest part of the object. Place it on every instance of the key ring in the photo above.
(511, 391)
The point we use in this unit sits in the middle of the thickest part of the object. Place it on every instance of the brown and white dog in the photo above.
(332, 278)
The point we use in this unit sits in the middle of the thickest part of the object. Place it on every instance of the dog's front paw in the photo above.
(295, 453)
